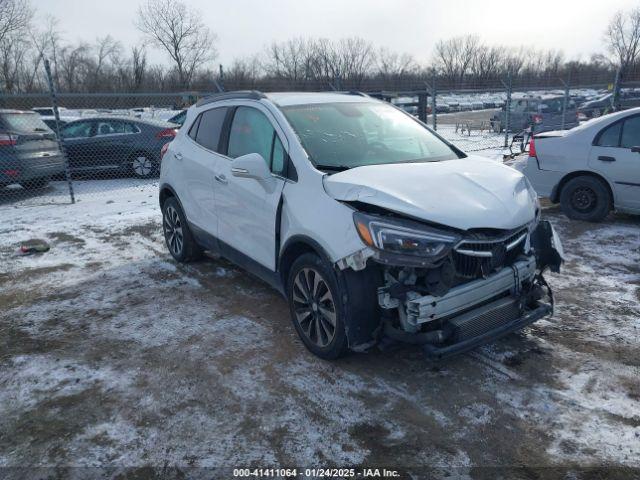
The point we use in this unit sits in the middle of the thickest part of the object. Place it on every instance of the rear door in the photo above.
(612, 155)
(247, 209)
(198, 156)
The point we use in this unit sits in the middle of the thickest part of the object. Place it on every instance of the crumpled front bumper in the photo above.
(439, 352)
(483, 310)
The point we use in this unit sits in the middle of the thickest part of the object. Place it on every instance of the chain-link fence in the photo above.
(59, 148)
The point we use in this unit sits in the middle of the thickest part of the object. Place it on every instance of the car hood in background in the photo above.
(473, 192)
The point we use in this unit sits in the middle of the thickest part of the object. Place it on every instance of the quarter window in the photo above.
(279, 156)
(209, 128)
(631, 133)
(610, 137)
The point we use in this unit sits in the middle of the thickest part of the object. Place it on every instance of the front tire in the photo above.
(585, 198)
(316, 309)
(177, 236)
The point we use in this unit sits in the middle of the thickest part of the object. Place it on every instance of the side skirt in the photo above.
(213, 244)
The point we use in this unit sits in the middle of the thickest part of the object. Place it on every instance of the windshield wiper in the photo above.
(333, 168)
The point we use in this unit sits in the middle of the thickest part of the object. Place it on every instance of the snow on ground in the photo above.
(113, 354)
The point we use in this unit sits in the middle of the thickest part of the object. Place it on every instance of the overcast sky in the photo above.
(245, 27)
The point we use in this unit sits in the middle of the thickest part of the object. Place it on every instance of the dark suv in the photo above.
(29, 153)
(540, 113)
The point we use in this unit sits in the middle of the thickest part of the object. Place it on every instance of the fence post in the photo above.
(615, 98)
(56, 113)
(434, 110)
(422, 106)
(221, 84)
(565, 102)
(507, 107)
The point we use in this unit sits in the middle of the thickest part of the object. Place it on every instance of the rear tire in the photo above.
(585, 198)
(317, 311)
(142, 165)
(177, 236)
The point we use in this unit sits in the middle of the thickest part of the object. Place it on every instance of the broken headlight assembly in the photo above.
(403, 240)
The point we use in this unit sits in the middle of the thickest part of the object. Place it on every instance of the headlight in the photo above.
(403, 237)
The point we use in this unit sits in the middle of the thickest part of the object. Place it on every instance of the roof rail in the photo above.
(356, 92)
(246, 94)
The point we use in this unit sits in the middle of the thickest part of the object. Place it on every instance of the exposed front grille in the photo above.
(475, 257)
(485, 319)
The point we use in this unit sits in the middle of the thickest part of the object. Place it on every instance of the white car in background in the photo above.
(591, 169)
(367, 221)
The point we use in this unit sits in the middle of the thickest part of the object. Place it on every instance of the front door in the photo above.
(614, 157)
(247, 208)
(78, 141)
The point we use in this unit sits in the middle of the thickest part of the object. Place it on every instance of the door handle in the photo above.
(178, 156)
(604, 158)
(221, 178)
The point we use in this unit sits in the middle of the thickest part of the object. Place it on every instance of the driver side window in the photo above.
(252, 132)
(77, 130)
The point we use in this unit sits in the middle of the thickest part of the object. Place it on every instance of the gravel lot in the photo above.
(111, 354)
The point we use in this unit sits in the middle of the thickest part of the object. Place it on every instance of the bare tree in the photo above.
(178, 29)
(391, 64)
(455, 56)
(623, 38)
(139, 66)
(106, 49)
(15, 15)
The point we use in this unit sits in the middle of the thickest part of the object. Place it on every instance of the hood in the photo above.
(472, 192)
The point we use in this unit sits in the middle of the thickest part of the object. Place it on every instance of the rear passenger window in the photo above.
(631, 133)
(131, 128)
(611, 136)
(209, 128)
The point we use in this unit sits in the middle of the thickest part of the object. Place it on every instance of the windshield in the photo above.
(347, 135)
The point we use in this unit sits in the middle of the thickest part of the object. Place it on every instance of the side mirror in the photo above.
(252, 165)
(635, 149)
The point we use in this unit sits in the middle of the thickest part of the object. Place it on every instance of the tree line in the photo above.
(177, 29)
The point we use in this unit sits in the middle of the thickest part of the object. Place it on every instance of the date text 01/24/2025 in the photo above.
(316, 472)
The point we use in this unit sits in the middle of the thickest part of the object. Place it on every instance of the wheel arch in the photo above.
(294, 247)
(555, 193)
(167, 191)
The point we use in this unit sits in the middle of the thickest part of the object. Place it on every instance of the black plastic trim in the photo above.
(439, 353)
(212, 243)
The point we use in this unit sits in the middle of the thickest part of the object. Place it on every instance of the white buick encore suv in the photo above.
(368, 222)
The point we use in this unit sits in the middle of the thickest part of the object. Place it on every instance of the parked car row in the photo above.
(605, 103)
(538, 113)
(30, 156)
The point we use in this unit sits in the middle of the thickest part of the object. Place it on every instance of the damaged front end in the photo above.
(451, 291)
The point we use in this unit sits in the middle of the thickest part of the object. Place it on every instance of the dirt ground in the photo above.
(112, 355)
